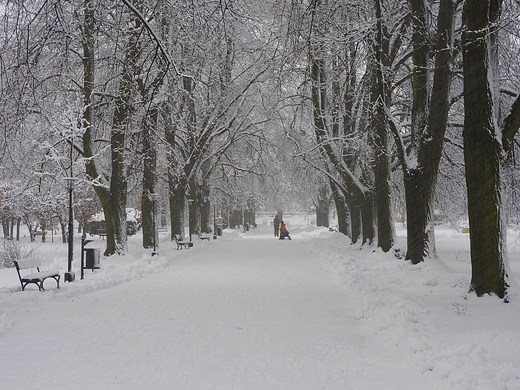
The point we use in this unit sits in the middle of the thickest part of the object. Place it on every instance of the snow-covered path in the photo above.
(254, 313)
(248, 311)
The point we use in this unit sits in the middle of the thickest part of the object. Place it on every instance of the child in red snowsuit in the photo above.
(284, 232)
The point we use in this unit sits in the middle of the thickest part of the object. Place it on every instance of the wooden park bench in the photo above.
(33, 264)
(102, 233)
(180, 243)
(35, 233)
(204, 237)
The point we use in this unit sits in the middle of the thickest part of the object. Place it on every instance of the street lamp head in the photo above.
(70, 181)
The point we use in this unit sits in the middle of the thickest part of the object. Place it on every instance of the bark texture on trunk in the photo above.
(342, 209)
(483, 150)
(100, 183)
(429, 122)
(355, 220)
(149, 195)
(322, 206)
(177, 202)
(380, 98)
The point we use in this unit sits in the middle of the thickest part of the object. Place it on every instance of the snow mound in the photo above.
(407, 306)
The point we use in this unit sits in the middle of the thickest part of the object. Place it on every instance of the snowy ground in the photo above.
(247, 311)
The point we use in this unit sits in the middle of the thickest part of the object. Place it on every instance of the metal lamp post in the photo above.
(69, 275)
(214, 222)
(190, 201)
(154, 201)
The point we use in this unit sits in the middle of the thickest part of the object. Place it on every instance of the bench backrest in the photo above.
(177, 237)
(31, 262)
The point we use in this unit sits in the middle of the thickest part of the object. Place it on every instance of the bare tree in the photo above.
(485, 142)
(420, 156)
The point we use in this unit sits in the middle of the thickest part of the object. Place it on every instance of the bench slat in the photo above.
(32, 262)
(39, 275)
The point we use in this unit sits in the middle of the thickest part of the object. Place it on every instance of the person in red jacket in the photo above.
(284, 232)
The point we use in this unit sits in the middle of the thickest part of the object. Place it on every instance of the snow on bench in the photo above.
(204, 237)
(38, 277)
(181, 244)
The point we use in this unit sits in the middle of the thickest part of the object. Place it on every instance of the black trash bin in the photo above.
(92, 258)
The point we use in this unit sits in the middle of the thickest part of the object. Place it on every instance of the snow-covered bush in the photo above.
(12, 250)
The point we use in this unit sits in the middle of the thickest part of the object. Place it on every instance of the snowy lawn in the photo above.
(247, 311)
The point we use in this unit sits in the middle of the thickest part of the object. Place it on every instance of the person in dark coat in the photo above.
(276, 224)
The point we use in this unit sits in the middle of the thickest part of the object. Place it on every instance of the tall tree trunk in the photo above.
(63, 225)
(414, 197)
(420, 56)
(206, 222)
(320, 106)
(99, 182)
(120, 120)
(429, 124)
(380, 97)
(149, 194)
(18, 223)
(482, 149)
(177, 200)
(355, 220)
(148, 88)
(341, 209)
(5, 228)
(416, 216)
(319, 100)
(11, 228)
(176, 184)
(112, 200)
(194, 208)
(323, 206)
(192, 155)
(368, 218)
